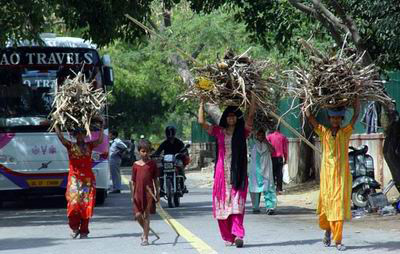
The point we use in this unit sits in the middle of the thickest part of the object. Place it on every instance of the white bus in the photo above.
(32, 159)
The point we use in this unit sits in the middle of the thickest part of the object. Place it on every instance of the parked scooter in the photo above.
(362, 171)
(171, 181)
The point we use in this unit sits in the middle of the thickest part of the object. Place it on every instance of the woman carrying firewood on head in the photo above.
(81, 186)
(335, 178)
(230, 181)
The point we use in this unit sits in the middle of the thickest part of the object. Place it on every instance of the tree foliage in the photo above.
(101, 21)
(273, 23)
(378, 23)
(145, 96)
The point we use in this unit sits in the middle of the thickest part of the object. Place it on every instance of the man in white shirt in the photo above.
(117, 147)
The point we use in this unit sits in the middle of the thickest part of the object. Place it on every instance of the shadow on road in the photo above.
(293, 210)
(52, 202)
(118, 207)
(379, 246)
(287, 243)
(117, 236)
(17, 244)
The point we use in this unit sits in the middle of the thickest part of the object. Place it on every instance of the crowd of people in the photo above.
(247, 161)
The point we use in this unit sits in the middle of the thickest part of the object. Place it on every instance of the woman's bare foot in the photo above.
(74, 234)
(228, 243)
(144, 242)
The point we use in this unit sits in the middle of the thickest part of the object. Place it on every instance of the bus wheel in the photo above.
(100, 196)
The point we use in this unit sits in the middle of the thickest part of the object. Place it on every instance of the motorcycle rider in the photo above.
(173, 145)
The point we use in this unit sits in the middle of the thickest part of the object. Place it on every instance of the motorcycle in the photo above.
(362, 171)
(172, 183)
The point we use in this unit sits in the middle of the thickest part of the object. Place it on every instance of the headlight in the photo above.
(7, 159)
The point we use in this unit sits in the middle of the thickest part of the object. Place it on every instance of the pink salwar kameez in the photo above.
(228, 203)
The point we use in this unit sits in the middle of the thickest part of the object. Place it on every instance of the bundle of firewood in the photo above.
(334, 81)
(232, 81)
(77, 104)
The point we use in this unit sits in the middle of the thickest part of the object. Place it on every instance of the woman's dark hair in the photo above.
(144, 144)
(239, 147)
(261, 130)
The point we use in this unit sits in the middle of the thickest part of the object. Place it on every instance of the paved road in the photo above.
(40, 226)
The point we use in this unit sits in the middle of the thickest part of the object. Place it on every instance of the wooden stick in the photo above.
(277, 117)
(161, 209)
(152, 231)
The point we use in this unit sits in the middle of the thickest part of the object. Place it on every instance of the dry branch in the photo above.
(232, 81)
(334, 81)
(77, 104)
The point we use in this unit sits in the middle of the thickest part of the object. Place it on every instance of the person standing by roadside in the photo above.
(117, 147)
(81, 185)
(335, 179)
(261, 178)
(230, 181)
(279, 156)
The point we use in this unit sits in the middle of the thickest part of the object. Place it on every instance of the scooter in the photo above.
(172, 183)
(362, 171)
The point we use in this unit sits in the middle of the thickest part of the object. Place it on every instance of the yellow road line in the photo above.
(196, 242)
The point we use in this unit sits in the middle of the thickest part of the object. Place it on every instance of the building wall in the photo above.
(201, 155)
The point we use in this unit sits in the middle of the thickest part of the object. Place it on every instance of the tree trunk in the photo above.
(306, 160)
(391, 147)
(184, 72)
(167, 17)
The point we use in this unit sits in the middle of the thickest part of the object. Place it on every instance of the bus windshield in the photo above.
(27, 94)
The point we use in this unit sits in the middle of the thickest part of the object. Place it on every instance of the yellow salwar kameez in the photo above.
(335, 180)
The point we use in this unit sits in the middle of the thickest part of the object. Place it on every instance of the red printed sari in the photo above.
(81, 187)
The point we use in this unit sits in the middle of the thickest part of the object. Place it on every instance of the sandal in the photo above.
(326, 240)
(340, 247)
(239, 242)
